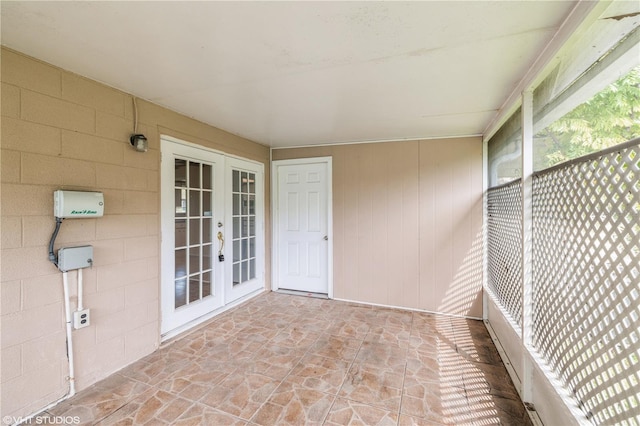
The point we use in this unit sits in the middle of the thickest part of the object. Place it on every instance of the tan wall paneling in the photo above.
(63, 131)
(407, 222)
(451, 232)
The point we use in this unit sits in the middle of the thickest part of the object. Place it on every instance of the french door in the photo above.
(244, 271)
(212, 232)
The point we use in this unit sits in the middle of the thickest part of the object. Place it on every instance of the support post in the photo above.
(485, 229)
(527, 216)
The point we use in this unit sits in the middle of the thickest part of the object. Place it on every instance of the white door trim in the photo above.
(206, 148)
(275, 164)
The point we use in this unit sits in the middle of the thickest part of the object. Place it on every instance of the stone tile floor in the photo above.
(282, 359)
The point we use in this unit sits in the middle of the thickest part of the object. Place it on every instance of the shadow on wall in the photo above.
(463, 295)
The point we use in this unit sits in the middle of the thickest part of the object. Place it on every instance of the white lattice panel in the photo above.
(586, 275)
(504, 235)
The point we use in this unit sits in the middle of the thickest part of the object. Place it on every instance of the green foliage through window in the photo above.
(609, 118)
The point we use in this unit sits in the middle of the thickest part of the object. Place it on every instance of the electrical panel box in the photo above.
(71, 258)
(78, 204)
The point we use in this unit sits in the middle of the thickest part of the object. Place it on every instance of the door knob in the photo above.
(326, 238)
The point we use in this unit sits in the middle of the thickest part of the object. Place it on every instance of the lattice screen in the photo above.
(586, 274)
(504, 235)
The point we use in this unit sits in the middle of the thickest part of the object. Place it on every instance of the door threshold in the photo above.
(303, 293)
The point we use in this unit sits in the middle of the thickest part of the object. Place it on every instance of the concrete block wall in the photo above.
(62, 131)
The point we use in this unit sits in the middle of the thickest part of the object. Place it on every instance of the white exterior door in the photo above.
(301, 225)
(192, 206)
(244, 247)
(212, 233)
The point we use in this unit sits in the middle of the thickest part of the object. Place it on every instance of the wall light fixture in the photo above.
(137, 140)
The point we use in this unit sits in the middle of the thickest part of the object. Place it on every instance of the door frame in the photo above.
(275, 166)
(225, 306)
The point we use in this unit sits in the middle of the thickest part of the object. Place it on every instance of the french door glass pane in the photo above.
(252, 269)
(193, 231)
(181, 232)
(206, 257)
(181, 173)
(194, 203)
(236, 181)
(245, 204)
(245, 275)
(236, 204)
(244, 229)
(181, 263)
(206, 203)
(194, 260)
(206, 284)
(236, 251)
(236, 273)
(206, 176)
(206, 231)
(236, 227)
(181, 202)
(194, 288)
(181, 292)
(244, 182)
(245, 251)
(252, 205)
(194, 174)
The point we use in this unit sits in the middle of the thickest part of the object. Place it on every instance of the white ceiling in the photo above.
(300, 73)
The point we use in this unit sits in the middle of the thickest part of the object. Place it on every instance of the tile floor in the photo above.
(281, 359)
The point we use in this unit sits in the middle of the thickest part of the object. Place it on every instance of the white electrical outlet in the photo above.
(81, 319)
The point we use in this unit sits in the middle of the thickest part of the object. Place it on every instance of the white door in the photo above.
(244, 248)
(192, 206)
(301, 225)
(212, 232)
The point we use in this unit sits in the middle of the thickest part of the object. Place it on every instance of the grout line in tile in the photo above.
(286, 376)
(344, 380)
(326, 415)
(451, 335)
(404, 375)
(271, 394)
(335, 397)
